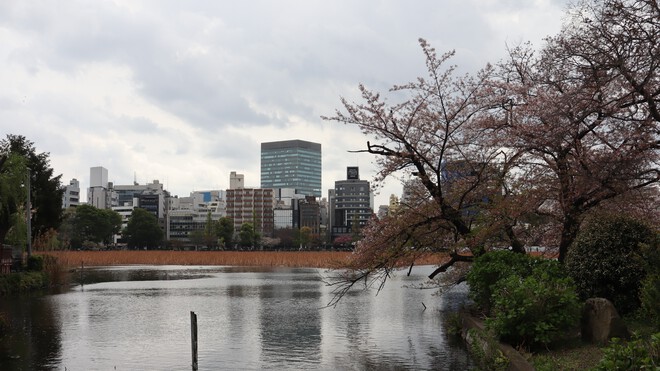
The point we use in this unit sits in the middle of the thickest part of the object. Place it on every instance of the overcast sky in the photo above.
(186, 91)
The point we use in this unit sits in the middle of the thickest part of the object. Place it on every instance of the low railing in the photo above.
(6, 259)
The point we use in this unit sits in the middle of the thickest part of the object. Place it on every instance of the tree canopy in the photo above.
(142, 230)
(593, 92)
(248, 236)
(88, 223)
(225, 231)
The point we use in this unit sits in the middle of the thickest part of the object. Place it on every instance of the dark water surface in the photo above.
(138, 318)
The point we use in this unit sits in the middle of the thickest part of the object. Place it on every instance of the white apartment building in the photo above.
(71, 195)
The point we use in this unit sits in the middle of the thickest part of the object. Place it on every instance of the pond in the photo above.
(138, 318)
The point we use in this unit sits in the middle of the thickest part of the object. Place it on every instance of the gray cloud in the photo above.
(186, 91)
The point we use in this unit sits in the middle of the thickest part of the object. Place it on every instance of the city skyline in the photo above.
(94, 172)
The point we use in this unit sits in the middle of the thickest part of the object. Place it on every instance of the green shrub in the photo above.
(536, 309)
(607, 260)
(638, 354)
(490, 268)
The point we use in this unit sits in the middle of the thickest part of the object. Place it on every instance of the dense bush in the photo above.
(535, 309)
(607, 260)
(490, 268)
(638, 354)
(529, 300)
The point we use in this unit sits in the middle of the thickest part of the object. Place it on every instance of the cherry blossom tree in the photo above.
(584, 111)
(520, 153)
(435, 136)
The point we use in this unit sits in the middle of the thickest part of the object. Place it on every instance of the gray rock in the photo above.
(601, 322)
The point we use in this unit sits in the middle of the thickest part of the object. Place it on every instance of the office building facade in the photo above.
(350, 203)
(292, 164)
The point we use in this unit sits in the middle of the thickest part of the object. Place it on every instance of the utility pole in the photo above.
(28, 207)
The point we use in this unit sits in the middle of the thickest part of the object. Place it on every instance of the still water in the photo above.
(138, 318)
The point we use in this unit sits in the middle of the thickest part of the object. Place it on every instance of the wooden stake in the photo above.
(193, 335)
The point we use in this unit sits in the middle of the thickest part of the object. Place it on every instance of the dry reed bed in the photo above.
(234, 258)
(310, 259)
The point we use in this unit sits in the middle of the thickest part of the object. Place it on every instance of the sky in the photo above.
(185, 92)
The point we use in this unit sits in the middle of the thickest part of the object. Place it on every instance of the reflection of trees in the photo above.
(386, 331)
(34, 339)
(290, 320)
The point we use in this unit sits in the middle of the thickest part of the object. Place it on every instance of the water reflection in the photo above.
(138, 319)
(290, 337)
(34, 341)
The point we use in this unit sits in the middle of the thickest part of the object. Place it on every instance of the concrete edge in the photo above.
(516, 361)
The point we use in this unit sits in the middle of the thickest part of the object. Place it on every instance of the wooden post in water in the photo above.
(193, 336)
(82, 267)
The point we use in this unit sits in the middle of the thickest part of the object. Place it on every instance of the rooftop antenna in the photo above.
(135, 178)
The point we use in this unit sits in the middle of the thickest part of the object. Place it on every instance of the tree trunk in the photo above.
(516, 245)
(569, 232)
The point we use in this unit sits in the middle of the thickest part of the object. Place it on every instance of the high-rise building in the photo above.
(98, 177)
(351, 205)
(97, 193)
(251, 205)
(292, 164)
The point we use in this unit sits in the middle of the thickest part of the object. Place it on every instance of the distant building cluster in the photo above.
(289, 197)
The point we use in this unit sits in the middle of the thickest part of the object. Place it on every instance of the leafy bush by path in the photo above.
(607, 260)
(536, 309)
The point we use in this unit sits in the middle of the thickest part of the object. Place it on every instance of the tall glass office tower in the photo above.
(292, 164)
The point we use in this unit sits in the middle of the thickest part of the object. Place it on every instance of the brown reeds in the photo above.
(309, 259)
(317, 259)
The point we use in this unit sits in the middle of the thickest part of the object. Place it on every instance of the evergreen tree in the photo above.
(225, 231)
